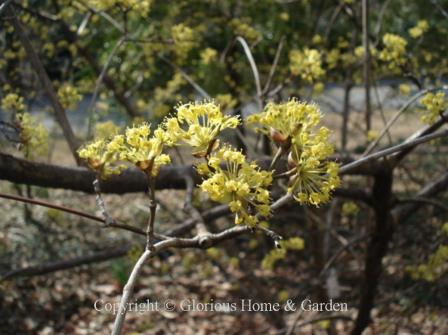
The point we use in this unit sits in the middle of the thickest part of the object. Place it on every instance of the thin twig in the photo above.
(274, 65)
(396, 116)
(254, 68)
(398, 148)
(91, 108)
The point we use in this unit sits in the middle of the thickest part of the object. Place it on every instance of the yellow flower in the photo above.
(13, 103)
(136, 146)
(307, 64)
(185, 39)
(138, 6)
(434, 268)
(244, 30)
(317, 39)
(68, 96)
(294, 243)
(332, 58)
(33, 136)
(404, 89)
(208, 55)
(230, 179)
(394, 51)
(106, 129)
(372, 135)
(284, 16)
(198, 124)
(350, 208)
(284, 121)
(420, 28)
(225, 101)
(435, 104)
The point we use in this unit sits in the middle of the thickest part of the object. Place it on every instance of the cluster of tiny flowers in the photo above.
(243, 29)
(208, 56)
(307, 64)
(434, 268)
(184, 39)
(394, 51)
(294, 243)
(359, 52)
(350, 208)
(139, 6)
(230, 179)
(404, 89)
(68, 96)
(33, 135)
(420, 28)
(435, 105)
(291, 125)
(315, 176)
(13, 103)
(372, 135)
(105, 130)
(136, 146)
(284, 121)
(198, 124)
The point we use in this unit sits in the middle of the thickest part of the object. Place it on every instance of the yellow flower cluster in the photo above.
(13, 103)
(420, 28)
(435, 104)
(106, 129)
(230, 179)
(404, 89)
(372, 135)
(244, 30)
(436, 266)
(208, 56)
(294, 243)
(332, 58)
(198, 124)
(291, 125)
(68, 96)
(225, 101)
(284, 121)
(307, 64)
(139, 6)
(184, 39)
(315, 177)
(359, 52)
(172, 86)
(136, 146)
(350, 208)
(33, 136)
(394, 51)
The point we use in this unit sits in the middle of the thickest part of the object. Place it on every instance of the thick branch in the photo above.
(22, 171)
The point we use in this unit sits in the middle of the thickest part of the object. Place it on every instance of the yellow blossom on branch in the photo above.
(420, 28)
(435, 104)
(307, 64)
(230, 179)
(136, 146)
(394, 51)
(68, 96)
(198, 124)
(284, 121)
